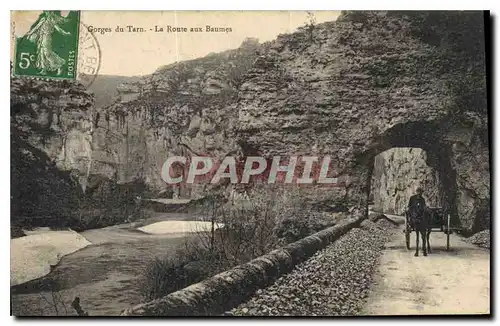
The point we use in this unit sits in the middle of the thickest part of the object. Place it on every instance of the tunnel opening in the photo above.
(407, 156)
(397, 173)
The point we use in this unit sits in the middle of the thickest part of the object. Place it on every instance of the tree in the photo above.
(310, 25)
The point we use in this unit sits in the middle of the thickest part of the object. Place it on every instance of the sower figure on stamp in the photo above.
(41, 34)
(418, 219)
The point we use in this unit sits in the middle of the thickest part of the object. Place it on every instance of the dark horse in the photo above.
(420, 221)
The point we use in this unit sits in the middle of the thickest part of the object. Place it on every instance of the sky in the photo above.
(141, 53)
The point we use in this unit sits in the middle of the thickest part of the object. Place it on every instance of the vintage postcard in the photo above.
(250, 163)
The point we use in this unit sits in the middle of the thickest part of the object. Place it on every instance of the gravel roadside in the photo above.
(334, 282)
(481, 239)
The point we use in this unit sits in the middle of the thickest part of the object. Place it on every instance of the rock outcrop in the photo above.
(372, 81)
(46, 174)
(181, 109)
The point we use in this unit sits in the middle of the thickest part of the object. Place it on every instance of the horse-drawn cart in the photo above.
(439, 220)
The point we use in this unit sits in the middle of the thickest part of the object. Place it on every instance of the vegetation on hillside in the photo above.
(251, 228)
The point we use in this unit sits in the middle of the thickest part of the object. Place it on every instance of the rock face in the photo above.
(181, 109)
(397, 173)
(46, 172)
(470, 161)
(351, 89)
(372, 81)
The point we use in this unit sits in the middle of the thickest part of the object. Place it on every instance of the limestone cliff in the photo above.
(397, 173)
(183, 108)
(45, 172)
(372, 81)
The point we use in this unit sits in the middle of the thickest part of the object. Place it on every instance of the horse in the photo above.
(421, 223)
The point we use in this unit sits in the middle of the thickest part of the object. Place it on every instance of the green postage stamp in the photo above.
(49, 49)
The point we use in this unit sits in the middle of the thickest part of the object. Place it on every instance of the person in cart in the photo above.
(423, 219)
(416, 205)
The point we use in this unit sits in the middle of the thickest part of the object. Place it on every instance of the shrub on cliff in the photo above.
(455, 52)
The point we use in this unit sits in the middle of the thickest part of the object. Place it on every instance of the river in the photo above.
(105, 275)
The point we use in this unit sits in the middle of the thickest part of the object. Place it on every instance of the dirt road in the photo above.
(444, 282)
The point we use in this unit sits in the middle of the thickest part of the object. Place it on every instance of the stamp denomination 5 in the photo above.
(56, 46)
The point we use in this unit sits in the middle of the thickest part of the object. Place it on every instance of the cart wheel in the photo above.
(448, 231)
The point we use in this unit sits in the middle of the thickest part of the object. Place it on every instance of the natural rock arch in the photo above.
(429, 137)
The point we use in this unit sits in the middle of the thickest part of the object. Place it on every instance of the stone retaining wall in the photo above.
(226, 290)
